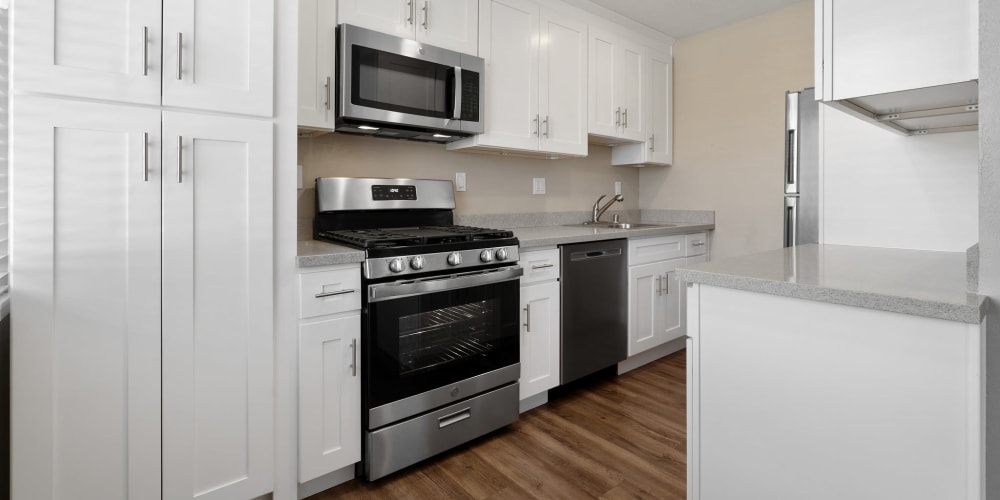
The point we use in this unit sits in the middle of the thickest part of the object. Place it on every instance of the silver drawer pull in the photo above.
(698, 244)
(454, 418)
(542, 266)
(331, 294)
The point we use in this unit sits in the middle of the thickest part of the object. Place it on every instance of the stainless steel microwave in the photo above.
(393, 87)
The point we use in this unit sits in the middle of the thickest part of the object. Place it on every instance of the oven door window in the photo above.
(420, 343)
(393, 82)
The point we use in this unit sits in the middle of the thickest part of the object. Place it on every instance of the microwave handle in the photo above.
(457, 114)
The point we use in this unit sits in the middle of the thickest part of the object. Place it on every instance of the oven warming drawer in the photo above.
(406, 443)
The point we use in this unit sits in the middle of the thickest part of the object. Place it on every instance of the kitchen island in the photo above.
(829, 372)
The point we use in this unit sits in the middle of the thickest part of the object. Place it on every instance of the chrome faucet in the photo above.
(599, 210)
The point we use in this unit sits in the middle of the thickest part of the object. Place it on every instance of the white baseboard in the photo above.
(652, 355)
(325, 482)
(533, 401)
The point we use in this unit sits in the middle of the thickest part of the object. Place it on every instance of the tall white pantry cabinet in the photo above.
(141, 254)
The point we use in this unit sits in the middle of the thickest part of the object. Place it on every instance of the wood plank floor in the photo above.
(615, 437)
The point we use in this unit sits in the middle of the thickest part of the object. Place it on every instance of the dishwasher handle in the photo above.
(594, 254)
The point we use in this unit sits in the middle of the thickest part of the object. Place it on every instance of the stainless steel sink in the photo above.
(619, 225)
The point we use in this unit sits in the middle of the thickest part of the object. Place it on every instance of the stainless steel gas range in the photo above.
(440, 317)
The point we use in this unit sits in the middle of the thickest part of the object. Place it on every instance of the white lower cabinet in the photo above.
(329, 370)
(656, 298)
(540, 327)
(142, 268)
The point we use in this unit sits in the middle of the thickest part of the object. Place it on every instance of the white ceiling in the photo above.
(681, 18)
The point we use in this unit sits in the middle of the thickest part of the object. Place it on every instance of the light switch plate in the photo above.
(618, 187)
(459, 181)
(538, 185)
(300, 176)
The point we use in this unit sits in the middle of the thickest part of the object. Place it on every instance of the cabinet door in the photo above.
(217, 307)
(673, 303)
(451, 24)
(317, 57)
(329, 396)
(539, 338)
(395, 17)
(630, 74)
(645, 306)
(218, 55)
(88, 49)
(604, 113)
(509, 44)
(85, 269)
(562, 84)
(660, 112)
(927, 43)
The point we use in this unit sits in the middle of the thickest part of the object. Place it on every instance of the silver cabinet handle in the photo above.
(651, 137)
(331, 294)
(543, 266)
(546, 123)
(659, 285)
(527, 319)
(618, 117)
(409, 12)
(327, 87)
(698, 244)
(626, 118)
(426, 15)
(145, 156)
(145, 50)
(354, 357)
(180, 161)
(180, 53)
(666, 284)
(535, 133)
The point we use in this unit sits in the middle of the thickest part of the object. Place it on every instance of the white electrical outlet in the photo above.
(538, 185)
(459, 181)
(299, 173)
(618, 187)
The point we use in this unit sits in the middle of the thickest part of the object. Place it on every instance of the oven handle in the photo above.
(399, 289)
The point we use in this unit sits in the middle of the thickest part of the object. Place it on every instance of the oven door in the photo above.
(435, 341)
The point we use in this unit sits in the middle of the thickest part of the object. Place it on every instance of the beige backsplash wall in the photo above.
(729, 91)
(496, 184)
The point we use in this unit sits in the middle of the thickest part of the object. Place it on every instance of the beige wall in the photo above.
(729, 86)
(496, 184)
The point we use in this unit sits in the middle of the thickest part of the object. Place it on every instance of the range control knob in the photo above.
(417, 263)
(501, 254)
(454, 259)
(396, 265)
(486, 256)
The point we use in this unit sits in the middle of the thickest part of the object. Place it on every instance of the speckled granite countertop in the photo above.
(921, 283)
(532, 230)
(532, 237)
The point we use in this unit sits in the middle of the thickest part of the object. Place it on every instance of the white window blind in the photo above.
(4, 156)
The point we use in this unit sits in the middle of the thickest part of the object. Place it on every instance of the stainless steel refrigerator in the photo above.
(801, 168)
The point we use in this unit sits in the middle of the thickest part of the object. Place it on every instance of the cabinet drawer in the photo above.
(696, 244)
(540, 265)
(329, 292)
(646, 250)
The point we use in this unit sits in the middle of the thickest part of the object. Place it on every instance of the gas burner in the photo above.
(412, 236)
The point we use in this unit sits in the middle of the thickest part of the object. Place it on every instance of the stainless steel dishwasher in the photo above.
(594, 310)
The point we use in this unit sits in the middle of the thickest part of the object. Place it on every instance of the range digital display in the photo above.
(392, 193)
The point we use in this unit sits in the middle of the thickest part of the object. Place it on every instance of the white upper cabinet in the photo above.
(535, 80)
(99, 50)
(657, 149)
(865, 48)
(616, 75)
(219, 55)
(450, 24)
(317, 63)
(216, 54)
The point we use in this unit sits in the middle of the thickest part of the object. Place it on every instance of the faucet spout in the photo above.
(599, 210)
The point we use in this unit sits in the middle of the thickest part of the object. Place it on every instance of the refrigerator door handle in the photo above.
(792, 143)
(791, 220)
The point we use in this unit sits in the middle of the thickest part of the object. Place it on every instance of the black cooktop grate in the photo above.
(410, 236)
